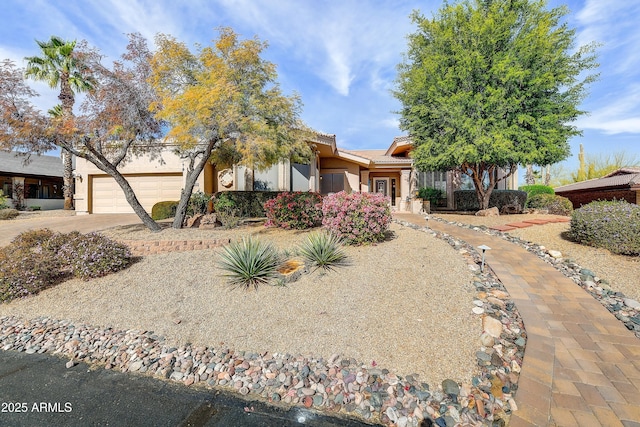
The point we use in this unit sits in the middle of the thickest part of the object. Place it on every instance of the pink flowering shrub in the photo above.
(357, 217)
(294, 210)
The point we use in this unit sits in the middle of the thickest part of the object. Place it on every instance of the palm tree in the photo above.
(59, 67)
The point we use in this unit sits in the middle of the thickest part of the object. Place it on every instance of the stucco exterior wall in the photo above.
(170, 163)
(351, 171)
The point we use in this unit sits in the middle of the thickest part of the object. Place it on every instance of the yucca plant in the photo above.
(250, 262)
(323, 250)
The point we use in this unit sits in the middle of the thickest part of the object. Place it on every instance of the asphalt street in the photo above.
(39, 390)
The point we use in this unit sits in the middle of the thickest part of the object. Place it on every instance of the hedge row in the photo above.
(249, 204)
(466, 200)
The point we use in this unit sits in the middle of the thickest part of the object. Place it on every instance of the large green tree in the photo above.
(492, 84)
(59, 67)
(223, 103)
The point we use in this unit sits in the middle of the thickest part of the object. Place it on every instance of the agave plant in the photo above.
(323, 250)
(250, 262)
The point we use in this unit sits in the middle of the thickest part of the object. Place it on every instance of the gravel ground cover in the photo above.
(402, 323)
(404, 304)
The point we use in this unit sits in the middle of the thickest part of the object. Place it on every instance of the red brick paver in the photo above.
(580, 365)
(538, 221)
(519, 224)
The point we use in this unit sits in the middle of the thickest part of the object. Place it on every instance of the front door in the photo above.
(381, 185)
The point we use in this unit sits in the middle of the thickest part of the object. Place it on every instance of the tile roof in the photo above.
(614, 179)
(623, 171)
(37, 165)
(378, 156)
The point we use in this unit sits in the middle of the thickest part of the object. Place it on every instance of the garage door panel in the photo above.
(108, 197)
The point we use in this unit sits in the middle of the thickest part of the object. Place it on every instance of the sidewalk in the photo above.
(581, 365)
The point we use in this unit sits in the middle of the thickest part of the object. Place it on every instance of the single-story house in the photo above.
(622, 184)
(40, 179)
(332, 169)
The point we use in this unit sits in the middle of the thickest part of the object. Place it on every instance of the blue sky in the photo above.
(339, 55)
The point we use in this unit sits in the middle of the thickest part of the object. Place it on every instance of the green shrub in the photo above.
(466, 200)
(533, 190)
(249, 204)
(323, 250)
(164, 210)
(613, 225)
(250, 262)
(8, 213)
(554, 204)
(433, 195)
(226, 210)
(3, 201)
(357, 217)
(294, 210)
(198, 203)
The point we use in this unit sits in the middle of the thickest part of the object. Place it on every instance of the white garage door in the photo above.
(108, 197)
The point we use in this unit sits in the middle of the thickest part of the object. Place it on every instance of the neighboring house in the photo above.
(40, 179)
(330, 170)
(622, 184)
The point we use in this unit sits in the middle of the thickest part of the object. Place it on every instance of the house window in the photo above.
(466, 182)
(45, 188)
(31, 188)
(433, 179)
(6, 186)
(331, 183)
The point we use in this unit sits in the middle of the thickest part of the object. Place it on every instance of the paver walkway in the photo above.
(581, 365)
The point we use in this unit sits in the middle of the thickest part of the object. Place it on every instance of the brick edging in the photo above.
(150, 247)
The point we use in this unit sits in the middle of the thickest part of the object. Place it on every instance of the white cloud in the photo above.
(619, 113)
(617, 94)
(341, 42)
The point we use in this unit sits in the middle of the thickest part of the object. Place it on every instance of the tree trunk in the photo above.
(181, 210)
(479, 171)
(67, 179)
(483, 196)
(547, 175)
(529, 178)
(193, 172)
(67, 100)
(130, 196)
(134, 203)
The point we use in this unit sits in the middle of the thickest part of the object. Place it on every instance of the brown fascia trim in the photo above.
(592, 189)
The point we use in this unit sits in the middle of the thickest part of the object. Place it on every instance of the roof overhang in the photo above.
(400, 144)
(362, 161)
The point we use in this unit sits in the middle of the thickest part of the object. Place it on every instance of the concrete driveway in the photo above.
(83, 223)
